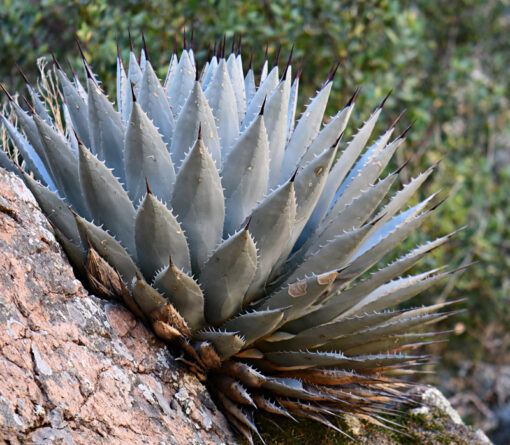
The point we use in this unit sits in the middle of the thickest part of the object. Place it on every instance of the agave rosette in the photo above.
(238, 231)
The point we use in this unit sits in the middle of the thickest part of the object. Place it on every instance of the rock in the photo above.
(77, 369)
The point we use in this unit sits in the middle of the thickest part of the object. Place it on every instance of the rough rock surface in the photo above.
(76, 369)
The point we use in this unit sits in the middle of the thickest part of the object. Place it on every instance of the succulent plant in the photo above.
(239, 233)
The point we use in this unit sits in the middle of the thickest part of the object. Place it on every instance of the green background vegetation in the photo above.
(446, 62)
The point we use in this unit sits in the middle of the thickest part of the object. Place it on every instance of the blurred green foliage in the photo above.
(446, 62)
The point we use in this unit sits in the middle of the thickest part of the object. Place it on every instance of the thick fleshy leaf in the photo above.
(30, 156)
(65, 167)
(381, 230)
(199, 204)
(32, 133)
(397, 343)
(7, 164)
(172, 66)
(183, 292)
(196, 114)
(70, 133)
(211, 69)
(291, 116)
(236, 76)
(254, 325)
(305, 132)
(226, 276)
(264, 91)
(363, 261)
(105, 130)
(338, 174)
(180, 84)
(147, 158)
(298, 296)
(271, 227)
(275, 119)
(333, 255)
(108, 248)
(319, 335)
(354, 214)
(38, 105)
(328, 135)
(134, 79)
(158, 235)
(364, 336)
(400, 198)
(226, 344)
(245, 175)
(222, 100)
(54, 208)
(365, 178)
(308, 184)
(121, 84)
(395, 292)
(78, 109)
(343, 299)
(303, 360)
(369, 157)
(153, 100)
(106, 200)
(249, 86)
(148, 299)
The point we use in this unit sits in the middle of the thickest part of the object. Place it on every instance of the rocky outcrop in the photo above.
(76, 369)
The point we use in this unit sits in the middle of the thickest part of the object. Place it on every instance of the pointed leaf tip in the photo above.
(385, 99)
(185, 41)
(333, 71)
(118, 49)
(398, 170)
(261, 112)
(232, 48)
(337, 141)
(25, 78)
(404, 133)
(55, 61)
(277, 58)
(71, 68)
(131, 46)
(149, 191)
(77, 138)
(2, 86)
(239, 45)
(29, 105)
(80, 49)
(395, 122)
(250, 64)
(293, 175)
(133, 91)
(199, 136)
(144, 46)
(289, 62)
(353, 98)
(299, 69)
(246, 227)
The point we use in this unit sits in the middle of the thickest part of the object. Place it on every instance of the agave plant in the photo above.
(238, 232)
